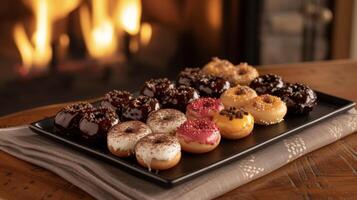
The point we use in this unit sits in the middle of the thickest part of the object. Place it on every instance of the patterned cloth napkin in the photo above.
(104, 181)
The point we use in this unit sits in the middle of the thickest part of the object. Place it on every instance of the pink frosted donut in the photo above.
(203, 108)
(198, 136)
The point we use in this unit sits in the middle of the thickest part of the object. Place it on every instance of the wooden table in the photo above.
(328, 172)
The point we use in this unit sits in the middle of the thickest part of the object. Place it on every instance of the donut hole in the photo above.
(207, 104)
(267, 99)
(241, 91)
(158, 141)
(168, 118)
(242, 71)
(99, 115)
(129, 130)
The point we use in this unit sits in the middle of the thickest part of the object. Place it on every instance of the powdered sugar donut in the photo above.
(158, 151)
(123, 137)
(165, 120)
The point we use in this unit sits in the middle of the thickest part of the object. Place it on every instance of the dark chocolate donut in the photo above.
(67, 119)
(299, 98)
(179, 97)
(210, 86)
(267, 84)
(139, 108)
(188, 76)
(116, 100)
(156, 87)
(96, 123)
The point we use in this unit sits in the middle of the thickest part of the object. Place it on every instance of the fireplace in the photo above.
(64, 50)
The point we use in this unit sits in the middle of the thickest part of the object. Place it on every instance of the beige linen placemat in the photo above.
(104, 181)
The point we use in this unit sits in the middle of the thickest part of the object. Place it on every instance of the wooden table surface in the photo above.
(330, 172)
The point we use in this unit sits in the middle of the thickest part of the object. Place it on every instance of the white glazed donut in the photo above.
(123, 137)
(165, 120)
(158, 151)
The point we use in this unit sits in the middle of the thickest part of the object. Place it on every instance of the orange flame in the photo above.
(99, 33)
(129, 15)
(37, 52)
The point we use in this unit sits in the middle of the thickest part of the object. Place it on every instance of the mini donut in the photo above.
(198, 136)
(218, 67)
(139, 108)
(67, 119)
(188, 76)
(203, 108)
(165, 120)
(116, 100)
(267, 109)
(158, 151)
(266, 84)
(237, 96)
(234, 123)
(299, 98)
(244, 74)
(96, 123)
(178, 98)
(210, 86)
(156, 87)
(123, 137)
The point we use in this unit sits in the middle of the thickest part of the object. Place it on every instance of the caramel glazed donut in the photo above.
(267, 109)
(237, 96)
(158, 151)
(165, 120)
(123, 137)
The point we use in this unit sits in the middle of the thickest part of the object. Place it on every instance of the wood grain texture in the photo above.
(328, 173)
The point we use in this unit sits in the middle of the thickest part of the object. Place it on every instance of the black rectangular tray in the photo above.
(228, 150)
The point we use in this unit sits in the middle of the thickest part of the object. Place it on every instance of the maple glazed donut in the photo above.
(165, 120)
(123, 137)
(198, 136)
(234, 123)
(237, 96)
(267, 109)
(244, 74)
(158, 151)
(203, 108)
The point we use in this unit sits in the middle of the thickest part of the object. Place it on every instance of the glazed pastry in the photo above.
(165, 120)
(299, 98)
(237, 96)
(198, 136)
(67, 119)
(221, 68)
(266, 84)
(178, 98)
(156, 87)
(139, 108)
(267, 109)
(203, 108)
(234, 123)
(211, 86)
(188, 76)
(244, 74)
(116, 100)
(158, 151)
(96, 123)
(123, 137)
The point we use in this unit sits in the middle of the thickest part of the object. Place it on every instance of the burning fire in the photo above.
(37, 52)
(129, 15)
(99, 33)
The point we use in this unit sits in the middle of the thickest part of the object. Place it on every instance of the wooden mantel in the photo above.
(329, 172)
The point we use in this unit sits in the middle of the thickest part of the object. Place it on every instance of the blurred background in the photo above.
(55, 51)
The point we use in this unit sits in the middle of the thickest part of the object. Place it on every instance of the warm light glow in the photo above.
(145, 33)
(129, 15)
(99, 33)
(37, 52)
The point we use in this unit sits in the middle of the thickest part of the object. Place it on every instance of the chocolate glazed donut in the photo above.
(178, 98)
(299, 98)
(156, 87)
(267, 84)
(139, 108)
(116, 100)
